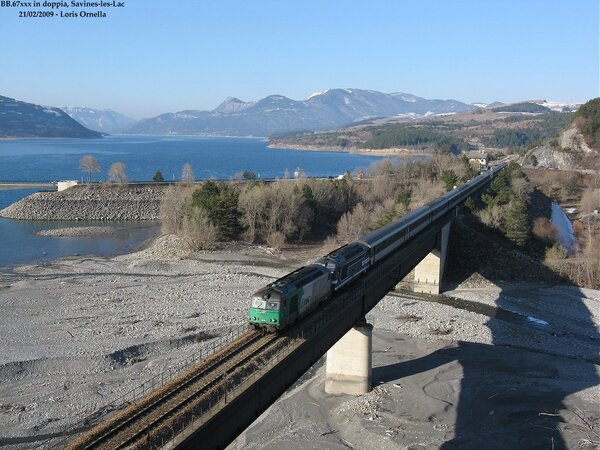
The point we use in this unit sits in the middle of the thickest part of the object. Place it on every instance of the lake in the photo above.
(221, 158)
(44, 160)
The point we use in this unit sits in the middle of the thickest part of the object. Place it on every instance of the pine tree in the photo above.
(517, 223)
(158, 178)
(220, 202)
(449, 179)
(470, 204)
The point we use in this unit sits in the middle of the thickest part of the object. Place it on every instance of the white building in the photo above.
(66, 184)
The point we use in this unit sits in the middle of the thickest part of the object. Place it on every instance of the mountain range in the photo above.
(273, 114)
(276, 113)
(21, 119)
(103, 120)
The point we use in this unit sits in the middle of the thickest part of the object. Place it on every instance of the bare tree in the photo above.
(117, 173)
(187, 174)
(493, 216)
(425, 191)
(276, 207)
(383, 167)
(174, 206)
(251, 203)
(544, 229)
(383, 187)
(522, 188)
(439, 163)
(88, 164)
(197, 228)
(590, 200)
(353, 224)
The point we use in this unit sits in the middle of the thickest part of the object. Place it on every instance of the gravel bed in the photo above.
(79, 333)
(82, 231)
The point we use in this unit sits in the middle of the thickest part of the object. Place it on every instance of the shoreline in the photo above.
(398, 152)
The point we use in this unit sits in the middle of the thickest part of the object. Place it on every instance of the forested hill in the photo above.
(587, 120)
(20, 119)
(453, 133)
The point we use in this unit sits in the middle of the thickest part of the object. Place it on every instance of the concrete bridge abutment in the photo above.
(429, 272)
(349, 362)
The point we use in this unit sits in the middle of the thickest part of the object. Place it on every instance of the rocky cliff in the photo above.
(568, 151)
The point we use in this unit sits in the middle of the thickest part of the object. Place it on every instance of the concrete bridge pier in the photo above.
(429, 272)
(349, 362)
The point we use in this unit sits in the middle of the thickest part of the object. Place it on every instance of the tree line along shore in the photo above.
(335, 212)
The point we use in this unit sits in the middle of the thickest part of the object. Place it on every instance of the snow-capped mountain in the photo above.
(276, 113)
(558, 106)
(21, 119)
(104, 120)
(551, 105)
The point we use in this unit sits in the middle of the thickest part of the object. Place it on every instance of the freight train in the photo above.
(293, 296)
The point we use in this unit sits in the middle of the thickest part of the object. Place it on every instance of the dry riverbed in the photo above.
(511, 366)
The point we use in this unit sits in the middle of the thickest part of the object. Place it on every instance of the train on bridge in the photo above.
(295, 295)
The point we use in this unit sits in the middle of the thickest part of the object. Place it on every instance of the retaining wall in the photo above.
(97, 202)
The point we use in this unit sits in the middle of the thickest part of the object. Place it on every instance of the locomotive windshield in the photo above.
(328, 263)
(259, 303)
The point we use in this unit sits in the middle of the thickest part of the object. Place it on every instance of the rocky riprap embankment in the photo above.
(90, 203)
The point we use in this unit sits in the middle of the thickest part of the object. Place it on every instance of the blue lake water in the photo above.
(564, 227)
(58, 159)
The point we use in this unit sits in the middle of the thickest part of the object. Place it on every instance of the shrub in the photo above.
(276, 239)
(493, 216)
(196, 226)
(544, 229)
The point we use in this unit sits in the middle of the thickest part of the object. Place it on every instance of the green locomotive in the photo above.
(290, 297)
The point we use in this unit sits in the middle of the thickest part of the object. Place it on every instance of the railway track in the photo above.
(149, 422)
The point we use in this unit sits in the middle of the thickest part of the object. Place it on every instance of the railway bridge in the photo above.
(211, 404)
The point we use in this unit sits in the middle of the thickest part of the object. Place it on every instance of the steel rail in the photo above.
(103, 431)
(196, 391)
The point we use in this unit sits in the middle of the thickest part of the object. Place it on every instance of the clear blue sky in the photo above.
(165, 56)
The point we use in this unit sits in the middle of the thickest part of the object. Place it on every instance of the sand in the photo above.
(79, 333)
